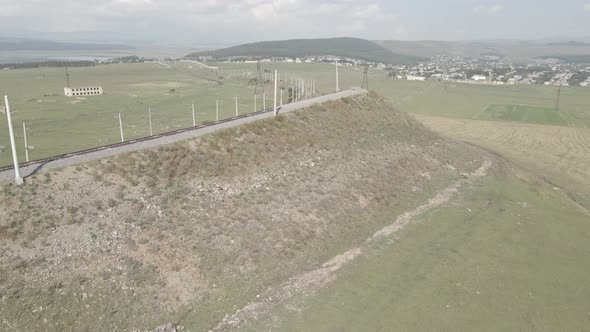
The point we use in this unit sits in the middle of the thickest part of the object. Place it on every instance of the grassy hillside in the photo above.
(513, 49)
(14, 44)
(430, 48)
(190, 232)
(508, 256)
(344, 47)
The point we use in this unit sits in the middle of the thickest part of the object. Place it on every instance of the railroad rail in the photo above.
(133, 141)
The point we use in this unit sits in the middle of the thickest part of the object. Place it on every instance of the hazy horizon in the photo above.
(233, 21)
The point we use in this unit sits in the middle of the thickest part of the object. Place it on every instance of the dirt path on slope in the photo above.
(311, 281)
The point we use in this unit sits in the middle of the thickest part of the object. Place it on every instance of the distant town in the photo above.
(485, 70)
(493, 70)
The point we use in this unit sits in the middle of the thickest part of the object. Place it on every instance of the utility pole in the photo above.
(18, 179)
(557, 100)
(237, 112)
(67, 77)
(303, 96)
(194, 119)
(302, 83)
(121, 128)
(26, 143)
(337, 78)
(255, 102)
(276, 87)
(301, 92)
(217, 110)
(150, 119)
(264, 100)
(259, 89)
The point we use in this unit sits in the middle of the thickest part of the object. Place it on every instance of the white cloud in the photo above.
(9, 8)
(489, 9)
(205, 19)
(275, 10)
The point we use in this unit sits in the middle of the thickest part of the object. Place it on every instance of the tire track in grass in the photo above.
(311, 281)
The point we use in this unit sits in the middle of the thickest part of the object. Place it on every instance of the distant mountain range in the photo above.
(343, 47)
(17, 44)
(20, 48)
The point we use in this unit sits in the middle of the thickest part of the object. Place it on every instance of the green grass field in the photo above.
(509, 256)
(58, 124)
(469, 101)
(522, 113)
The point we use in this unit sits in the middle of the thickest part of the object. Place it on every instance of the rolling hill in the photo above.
(516, 50)
(17, 44)
(345, 47)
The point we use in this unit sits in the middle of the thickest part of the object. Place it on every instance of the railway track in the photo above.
(106, 151)
(130, 142)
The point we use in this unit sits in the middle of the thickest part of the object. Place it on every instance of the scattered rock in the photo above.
(426, 175)
(166, 328)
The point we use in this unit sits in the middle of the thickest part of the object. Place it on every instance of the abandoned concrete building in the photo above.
(83, 91)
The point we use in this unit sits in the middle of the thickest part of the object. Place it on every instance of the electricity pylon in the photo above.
(557, 100)
(67, 77)
(259, 89)
(365, 83)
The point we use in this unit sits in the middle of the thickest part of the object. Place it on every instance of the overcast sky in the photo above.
(250, 20)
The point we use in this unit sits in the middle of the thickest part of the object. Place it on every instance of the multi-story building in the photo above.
(83, 91)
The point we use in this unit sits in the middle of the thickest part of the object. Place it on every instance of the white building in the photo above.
(479, 78)
(83, 91)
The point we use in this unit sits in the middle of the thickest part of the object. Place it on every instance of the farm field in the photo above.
(559, 154)
(522, 113)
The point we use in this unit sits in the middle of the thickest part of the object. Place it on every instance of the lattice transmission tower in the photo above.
(558, 99)
(259, 89)
(365, 83)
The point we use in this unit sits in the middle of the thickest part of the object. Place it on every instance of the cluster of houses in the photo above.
(493, 70)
